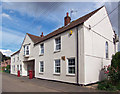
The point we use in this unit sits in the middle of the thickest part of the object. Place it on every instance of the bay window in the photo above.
(26, 49)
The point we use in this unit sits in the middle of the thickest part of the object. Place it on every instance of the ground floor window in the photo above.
(57, 66)
(71, 65)
(41, 66)
(14, 68)
(17, 68)
(20, 68)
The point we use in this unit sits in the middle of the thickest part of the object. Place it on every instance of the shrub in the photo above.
(112, 72)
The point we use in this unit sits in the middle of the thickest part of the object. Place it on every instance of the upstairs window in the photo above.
(41, 48)
(18, 57)
(26, 49)
(14, 59)
(57, 66)
(106, 49)
(57, 43)
(41, 66)
(14, 68)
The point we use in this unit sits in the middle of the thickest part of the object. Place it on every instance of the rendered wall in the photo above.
(94, 46)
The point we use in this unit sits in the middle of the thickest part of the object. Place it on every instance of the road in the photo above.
(11, 83)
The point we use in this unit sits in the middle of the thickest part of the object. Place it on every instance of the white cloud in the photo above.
(6, 16)
(6, 52)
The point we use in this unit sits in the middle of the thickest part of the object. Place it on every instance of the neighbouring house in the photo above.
(74, 53)
(5, 63)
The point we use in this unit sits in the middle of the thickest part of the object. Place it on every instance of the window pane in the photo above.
(106, 48)
(58, 43)
(41, 66)
(42, 48)
(71, 66)
(57, 66)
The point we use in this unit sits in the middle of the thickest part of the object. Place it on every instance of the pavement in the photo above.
(12, 83)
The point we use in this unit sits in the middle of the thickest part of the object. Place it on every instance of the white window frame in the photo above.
(25, 49)
(68, 67)
(14, 68)
(18, 57)
(40, 67)
(57, 66)
(41, 49)
(13, 58)
(55, 46)
(106, 50)
(20, 68)
(17, 68)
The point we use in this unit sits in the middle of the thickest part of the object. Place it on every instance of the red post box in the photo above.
(30, 74)
(18, 73)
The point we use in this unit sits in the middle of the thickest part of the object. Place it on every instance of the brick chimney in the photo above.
(67, 19)
(42, 34)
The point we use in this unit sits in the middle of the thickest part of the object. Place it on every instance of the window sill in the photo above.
(26, 55)
(41, 54)
(70, 75)
(41, 72)
(58, 74)
(57, 51)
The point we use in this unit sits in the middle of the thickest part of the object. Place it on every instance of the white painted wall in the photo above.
(17, 62)
(27, 40)
(68, 49)
(94, 45)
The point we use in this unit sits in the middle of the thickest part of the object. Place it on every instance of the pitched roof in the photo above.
(71, 25)
(33, 37)
(81, 20)
(15, 52)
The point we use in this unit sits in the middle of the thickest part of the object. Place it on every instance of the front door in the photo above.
(30, 66)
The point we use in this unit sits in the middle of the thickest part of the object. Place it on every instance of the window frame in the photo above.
(106, 50)
(14, 68)
(18, 57)
(25, 49)
(40, 52)
(20, 68)
(40, 67)
(17, 68)
(72, 65)
(55, 44)
(14, 59)
(57, 66)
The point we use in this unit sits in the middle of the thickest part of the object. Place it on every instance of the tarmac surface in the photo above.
(12, 83)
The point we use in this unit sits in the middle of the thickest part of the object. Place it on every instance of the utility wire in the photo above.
(106, 16)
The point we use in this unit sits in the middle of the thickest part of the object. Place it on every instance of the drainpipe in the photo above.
(77, 44)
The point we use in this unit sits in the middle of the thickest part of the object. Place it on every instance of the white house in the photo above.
(74, 53)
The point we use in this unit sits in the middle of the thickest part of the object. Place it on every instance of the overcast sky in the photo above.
(35, 17)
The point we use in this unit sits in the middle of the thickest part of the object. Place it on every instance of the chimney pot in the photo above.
(67, 14)
(67, 19)
(42, 34)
